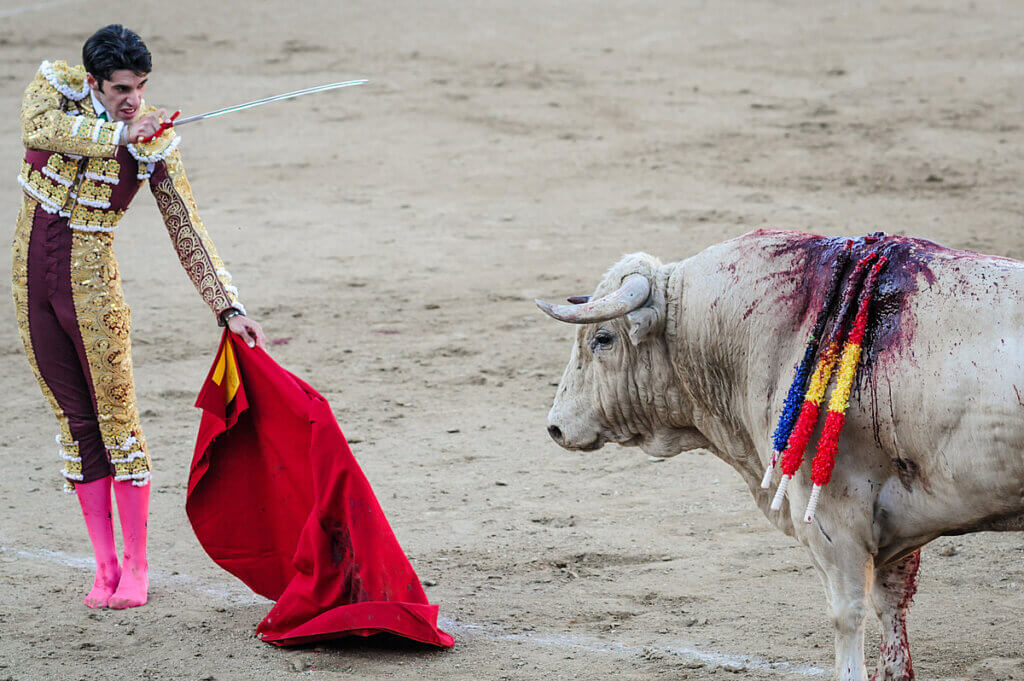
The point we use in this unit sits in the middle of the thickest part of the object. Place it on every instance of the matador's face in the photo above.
(121, 94)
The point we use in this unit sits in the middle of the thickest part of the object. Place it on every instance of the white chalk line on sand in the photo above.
(226, 593)
(584, 644)
(589, 644)
(35, 6)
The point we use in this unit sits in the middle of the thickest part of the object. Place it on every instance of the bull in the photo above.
(699, 354)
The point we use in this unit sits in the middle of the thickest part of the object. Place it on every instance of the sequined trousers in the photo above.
(75, 326)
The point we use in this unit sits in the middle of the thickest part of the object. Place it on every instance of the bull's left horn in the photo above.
(632, 294)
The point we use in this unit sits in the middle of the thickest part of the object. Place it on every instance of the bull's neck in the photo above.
(728, 346)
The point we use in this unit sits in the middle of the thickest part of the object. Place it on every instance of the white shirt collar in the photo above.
(97, 106)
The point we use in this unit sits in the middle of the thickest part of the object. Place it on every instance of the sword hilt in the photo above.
(164, 125)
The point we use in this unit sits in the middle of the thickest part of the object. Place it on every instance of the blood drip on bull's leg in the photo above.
(892, 594)
(793, 456)
(791, 407)
(828, 445)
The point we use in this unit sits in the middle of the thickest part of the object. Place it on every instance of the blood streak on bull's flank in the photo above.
(892, 324)
(791, 407)
(804, 428)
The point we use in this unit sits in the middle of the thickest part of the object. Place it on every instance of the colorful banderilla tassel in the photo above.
(825, 459)
(791, 407)
(808, 418)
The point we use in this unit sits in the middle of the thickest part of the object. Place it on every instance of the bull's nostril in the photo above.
(556, 433)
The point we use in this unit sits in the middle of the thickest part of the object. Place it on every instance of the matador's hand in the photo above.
(250, 331)
(141, 128)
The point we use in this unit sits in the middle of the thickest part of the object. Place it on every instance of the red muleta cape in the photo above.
(277, 499)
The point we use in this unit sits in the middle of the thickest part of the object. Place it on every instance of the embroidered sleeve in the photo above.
(46, 123)
(195, 250)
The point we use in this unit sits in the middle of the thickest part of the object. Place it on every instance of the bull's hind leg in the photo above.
(895, 585)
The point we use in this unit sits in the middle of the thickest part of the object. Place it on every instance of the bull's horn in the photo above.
(632, 294)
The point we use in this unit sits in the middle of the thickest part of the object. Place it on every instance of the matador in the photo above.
(85, 131)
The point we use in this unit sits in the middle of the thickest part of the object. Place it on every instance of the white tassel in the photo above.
(138, 479)
(63, 454)
(139, 454)
(102, 178)
(77, 478)
(90, 228)
(812, 505)
(153, 158)
(48, 205)
(57, 178)
(766, 481)
(781, 493)
(93, 203)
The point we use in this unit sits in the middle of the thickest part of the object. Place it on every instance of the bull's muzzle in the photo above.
(571, 435)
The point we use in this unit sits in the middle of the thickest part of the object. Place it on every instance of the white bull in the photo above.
(700, 353)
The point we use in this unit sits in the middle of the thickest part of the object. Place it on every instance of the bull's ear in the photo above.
(642, 323)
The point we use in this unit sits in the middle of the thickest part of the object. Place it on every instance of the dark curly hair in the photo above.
(113, 48)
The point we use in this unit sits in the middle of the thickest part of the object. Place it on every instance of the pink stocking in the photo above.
(133, 509)
(94, 498)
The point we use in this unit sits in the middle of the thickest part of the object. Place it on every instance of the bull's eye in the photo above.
(601, 339)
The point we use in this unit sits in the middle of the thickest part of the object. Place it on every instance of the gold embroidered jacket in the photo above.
(75, 168)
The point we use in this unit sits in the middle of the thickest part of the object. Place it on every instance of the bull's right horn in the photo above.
(632, 294)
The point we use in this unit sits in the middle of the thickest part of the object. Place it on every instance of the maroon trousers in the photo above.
(57, 341)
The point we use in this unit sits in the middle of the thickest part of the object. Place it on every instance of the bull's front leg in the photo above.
(847, 571)
(894, 588)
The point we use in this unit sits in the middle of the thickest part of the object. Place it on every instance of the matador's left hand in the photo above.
(250, 331)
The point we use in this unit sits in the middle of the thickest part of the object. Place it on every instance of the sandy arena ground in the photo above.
(398, 233)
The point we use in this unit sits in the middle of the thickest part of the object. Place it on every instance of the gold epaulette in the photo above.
(68, 80)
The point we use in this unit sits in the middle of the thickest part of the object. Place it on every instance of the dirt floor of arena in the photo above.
(397, 235)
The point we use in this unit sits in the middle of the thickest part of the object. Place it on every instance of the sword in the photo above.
(248, 105)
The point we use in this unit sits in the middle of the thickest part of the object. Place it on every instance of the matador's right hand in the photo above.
(146, 126)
